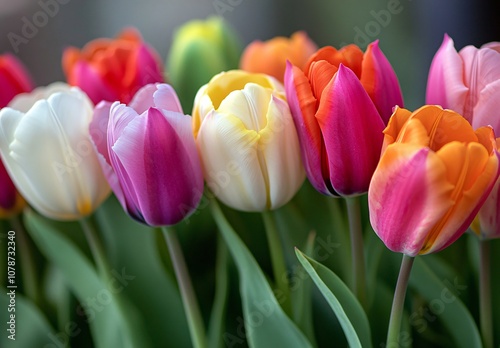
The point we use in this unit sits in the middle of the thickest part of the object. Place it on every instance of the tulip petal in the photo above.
(230, 159)
(24, 101)
(303, 108)
(85, 77)
(249, 105)
(145, 66)
(472, 172)
(320, 74)
(444, 126)
(380, 81)
(489, 215)
(408, 194)
(126, 133)
(445, 84)
(396, 123)
(352, 147)
(276, 137)
(170, 142)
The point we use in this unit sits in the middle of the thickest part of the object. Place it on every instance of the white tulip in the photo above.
(48, 153)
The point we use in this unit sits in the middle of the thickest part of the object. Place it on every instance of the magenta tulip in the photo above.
(339, 128)
(148, 154)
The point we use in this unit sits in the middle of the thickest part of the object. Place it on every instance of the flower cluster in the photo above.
(253, 134)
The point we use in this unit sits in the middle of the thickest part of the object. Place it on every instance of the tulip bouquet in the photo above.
(260, 198)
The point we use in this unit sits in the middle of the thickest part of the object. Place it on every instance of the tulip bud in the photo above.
(48, 153)
(14, 79)
(113, 69)
(340, 102)
(433, 177)
(270, 57)
(467, 82)
(148, 155)
(201, 49)
(247, 141)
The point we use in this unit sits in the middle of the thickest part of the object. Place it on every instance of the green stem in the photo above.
(217, 322)
(398, 301)
(195, 322)
(28, 267)
(357, 250)
(277, 259)
(485, 294)
(96, 248)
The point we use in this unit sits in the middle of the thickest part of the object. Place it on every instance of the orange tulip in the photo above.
(434, 175)
(113, 69)
(269, 57)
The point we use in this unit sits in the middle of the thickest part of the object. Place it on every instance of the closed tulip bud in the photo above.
(340, 103)
(48, 154)
(147, 151)
(247, 141)
(270, 57)
(201, 49)
(14, 79)
(434, 175)
(467, 82)
(113, 69)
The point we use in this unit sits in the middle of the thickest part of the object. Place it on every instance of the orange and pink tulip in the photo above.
(340, 103)
(434, 175)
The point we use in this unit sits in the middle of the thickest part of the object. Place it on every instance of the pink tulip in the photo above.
(148, 154)
(339, 127)
(467, 82)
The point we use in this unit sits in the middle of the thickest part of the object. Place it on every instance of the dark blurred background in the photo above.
(409, 31)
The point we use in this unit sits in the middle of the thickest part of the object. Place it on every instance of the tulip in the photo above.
(270, 57)
(14, 79)
(201, 49)
(48, 154)
(148, 154)
(434, 174)
(247, 141)
(339, 103)
(113, 69)
(467, 82)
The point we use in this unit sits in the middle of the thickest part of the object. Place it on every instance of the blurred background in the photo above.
(409, 31)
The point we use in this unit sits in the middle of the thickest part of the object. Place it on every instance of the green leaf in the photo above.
(444, 303)
(348, 310)
(107, 312)
(133, 247)
(266, 324)
(31, 328)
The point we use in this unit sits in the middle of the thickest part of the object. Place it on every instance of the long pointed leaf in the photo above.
(348, 310)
